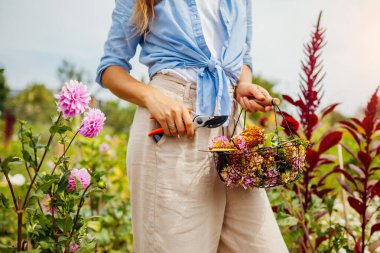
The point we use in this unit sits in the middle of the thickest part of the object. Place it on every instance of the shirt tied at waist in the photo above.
(212, 89)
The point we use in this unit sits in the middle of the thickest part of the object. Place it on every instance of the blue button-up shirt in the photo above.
(175, 39)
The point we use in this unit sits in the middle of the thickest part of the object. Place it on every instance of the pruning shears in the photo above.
(198, 121)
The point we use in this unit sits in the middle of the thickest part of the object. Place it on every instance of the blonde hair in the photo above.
(143, 11)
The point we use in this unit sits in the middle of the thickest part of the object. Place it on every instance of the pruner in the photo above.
(198, 121)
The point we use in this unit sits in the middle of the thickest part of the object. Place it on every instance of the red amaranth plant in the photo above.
(362, 184)
(307, 104)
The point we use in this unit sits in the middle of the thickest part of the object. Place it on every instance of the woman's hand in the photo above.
(172, 115)
(246, 91)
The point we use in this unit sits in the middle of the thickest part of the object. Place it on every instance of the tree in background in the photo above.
(69, 71)
(34, 104)
(119, 117)
(4, 91)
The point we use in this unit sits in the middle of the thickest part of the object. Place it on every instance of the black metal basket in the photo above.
(266, 166)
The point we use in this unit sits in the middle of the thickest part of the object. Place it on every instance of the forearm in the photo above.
(246, 74)
(124, 86)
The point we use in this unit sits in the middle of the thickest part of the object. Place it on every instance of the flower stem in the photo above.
(78, 210)
(64, 152)
(40, 164)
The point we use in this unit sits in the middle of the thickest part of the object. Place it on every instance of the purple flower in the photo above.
(73, 247)
(82, 175)
(73, 99)
(47, 206)
(104, 147)
(92, 123)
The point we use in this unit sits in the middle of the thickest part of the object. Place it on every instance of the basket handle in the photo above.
(275, 102)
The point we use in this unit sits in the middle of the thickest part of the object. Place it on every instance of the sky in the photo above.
(37, 35)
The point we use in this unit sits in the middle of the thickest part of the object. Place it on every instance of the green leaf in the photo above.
(4, 201)
(53, 129)
(62, 185)
(63, 129)
(9, 161)
(95, 225)
(286, 220)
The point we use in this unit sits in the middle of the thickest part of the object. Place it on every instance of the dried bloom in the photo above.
(73, 99)
(92, 123)
(82, 175)
(47, 205)
(104, 147)
(220, 142)
(253, 136)
(239, 142)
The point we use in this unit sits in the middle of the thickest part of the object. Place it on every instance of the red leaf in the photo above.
(312, 157)
(328, 109)
(329, 141)
(370, 113)
(364, 158)
(313, 121)
(319, 240)
(348, 124)
(376, 189)
(358, 247)
(357, 169)
(375, 227)
(289, 99)
(345, 186)
(356, 136)
(323, 192)
(355, 204)
(358, 122)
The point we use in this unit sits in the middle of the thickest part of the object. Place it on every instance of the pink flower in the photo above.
(73, 99)
(73, 247)
(92, 123)
(82, 175)
(104, 147)
(47, 206)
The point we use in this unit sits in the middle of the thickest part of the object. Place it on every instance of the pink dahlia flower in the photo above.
(47, 206)
(82, 175)
(92, 123)
(73, 99)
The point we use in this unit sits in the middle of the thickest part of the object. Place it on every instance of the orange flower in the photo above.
(253, 136)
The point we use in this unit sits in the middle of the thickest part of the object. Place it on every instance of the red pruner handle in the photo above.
(156, 131)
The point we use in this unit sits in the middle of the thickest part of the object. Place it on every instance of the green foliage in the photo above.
(34, 104)
(120, 117)
(69, 71)
(4, 91)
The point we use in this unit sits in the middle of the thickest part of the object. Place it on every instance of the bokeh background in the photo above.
(45, 43)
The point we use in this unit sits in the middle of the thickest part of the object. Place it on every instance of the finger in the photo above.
(256, 92)
(179, 124)
(188, 124)
(253, 106)
(268, 108)
(264, 91)
(172, 128)
(244, 105)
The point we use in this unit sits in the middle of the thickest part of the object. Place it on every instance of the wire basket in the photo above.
(263, 167)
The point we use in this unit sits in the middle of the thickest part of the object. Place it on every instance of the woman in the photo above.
(198, 54)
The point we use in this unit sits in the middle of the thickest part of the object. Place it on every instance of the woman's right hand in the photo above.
(172, 115)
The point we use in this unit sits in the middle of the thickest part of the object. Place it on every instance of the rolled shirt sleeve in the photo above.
(122, 39)
(247, 59)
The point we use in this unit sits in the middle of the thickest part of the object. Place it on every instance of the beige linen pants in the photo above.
(178, 202)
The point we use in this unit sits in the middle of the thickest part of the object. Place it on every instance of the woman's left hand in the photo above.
(245, 93)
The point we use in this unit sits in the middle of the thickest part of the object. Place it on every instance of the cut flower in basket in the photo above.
(254, 159)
